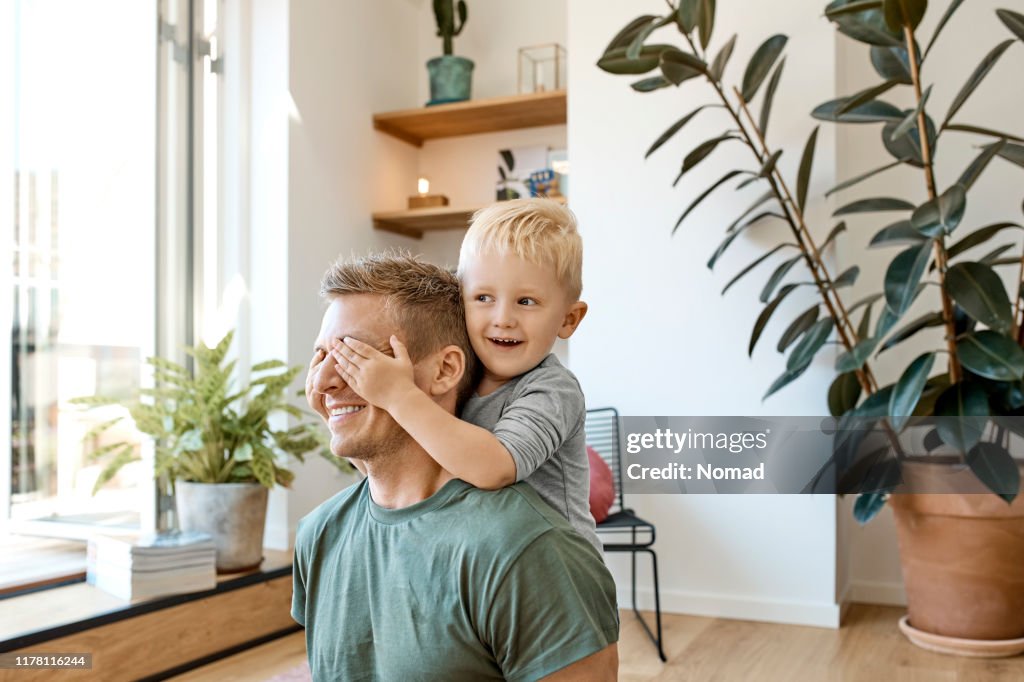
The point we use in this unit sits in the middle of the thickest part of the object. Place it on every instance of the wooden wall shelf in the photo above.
(414, 222)
(474, 116)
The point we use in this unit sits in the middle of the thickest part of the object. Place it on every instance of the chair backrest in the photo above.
(602, 429)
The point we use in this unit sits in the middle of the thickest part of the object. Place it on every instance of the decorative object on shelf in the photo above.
(541, 68)
(451, 77)
(558, 161)
(424, 199)
(515, 167)
(957, 544)
(215, 443)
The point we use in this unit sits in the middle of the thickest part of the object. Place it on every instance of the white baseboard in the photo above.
(877, 592)
(817, 614)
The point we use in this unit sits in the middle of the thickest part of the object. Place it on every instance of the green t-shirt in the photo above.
(465, 585)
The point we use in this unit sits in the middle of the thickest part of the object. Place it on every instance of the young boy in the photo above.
(520, 267)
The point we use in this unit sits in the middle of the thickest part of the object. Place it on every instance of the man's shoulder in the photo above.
(516, 511)
(312, 524)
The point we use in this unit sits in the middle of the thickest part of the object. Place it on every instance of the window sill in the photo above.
(30, 563)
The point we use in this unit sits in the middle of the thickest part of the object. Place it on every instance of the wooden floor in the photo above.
(868, 647)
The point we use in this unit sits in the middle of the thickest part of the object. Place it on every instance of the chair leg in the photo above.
(656, 640)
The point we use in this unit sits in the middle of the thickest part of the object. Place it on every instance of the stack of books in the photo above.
(142, 566)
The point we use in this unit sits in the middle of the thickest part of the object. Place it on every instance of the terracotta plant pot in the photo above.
(963, 563)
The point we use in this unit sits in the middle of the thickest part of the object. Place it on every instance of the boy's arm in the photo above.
(466, 451)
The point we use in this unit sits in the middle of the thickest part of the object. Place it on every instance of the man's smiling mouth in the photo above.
(338, 411)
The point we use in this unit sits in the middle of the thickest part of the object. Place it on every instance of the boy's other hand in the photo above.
(380, 379)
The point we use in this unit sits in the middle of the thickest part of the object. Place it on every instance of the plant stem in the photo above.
(940, 241)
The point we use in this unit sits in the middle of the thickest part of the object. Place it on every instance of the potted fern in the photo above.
(215, 444)
(961, 553)
(451, 77)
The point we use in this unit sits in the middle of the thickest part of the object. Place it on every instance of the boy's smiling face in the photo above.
(515, 310)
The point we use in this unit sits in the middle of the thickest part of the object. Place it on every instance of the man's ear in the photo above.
(447, 370)
(572, 319)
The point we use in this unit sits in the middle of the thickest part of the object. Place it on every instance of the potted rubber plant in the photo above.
(451, 77)
(964, 396)
(215, 443)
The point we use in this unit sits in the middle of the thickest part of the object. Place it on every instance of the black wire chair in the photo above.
(626, 531)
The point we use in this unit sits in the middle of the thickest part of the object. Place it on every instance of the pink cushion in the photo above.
(602, 486)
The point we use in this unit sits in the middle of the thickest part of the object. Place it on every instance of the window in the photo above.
(103, 217)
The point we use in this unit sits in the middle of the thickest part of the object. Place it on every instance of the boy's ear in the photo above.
(447, 370)
(572, 319)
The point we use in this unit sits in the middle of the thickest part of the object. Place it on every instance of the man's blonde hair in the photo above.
(540, 231)
(422, 299)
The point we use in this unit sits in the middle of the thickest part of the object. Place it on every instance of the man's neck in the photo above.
(404, 480)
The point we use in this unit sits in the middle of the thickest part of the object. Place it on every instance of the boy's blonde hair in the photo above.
(541, 231)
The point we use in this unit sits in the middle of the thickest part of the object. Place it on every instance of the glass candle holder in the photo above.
(542, 68)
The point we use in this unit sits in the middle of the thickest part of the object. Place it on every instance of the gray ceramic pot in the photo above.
(451, 79)
(233, 513)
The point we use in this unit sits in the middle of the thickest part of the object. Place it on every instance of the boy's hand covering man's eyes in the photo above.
(379, 379)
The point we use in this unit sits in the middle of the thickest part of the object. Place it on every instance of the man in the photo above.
(414, 575)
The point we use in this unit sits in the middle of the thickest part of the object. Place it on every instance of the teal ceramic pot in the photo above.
(451, 79)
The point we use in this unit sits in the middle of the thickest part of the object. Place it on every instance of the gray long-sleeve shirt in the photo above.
(538, 417)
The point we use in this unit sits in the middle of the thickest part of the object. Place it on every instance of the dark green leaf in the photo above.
(979, 164)
(994, 465)
(749, 181)
(891, 63)
(908, 147)
(992, 258)
(867, 300)
(760, 64)
(769, 95)
(969, 404)
(867, 506)
(650, 84)
(843, 394)
(873, 205)
(1013, 21)
(953, 6)
(804, 175)
(903, 275)
(864, 328)
(1013, 153)
(871, 112)
(776, 278)
(705, 21)
(766, 315)
(853, 181)
(979, 74)
(867, 25)
(798, 327)
(769, 194)
(855, 358)
(941, 214)
(900, 13)
(637, 44)
(901, 232)
(979, 291)
(846, 278)
(700, 153)
(769, 165)
(809, 345)
(865, 96)
(696, 202)
(678, 66)
(911, 119)
(991, 355)
(625, 37)
(836, 231)
(979, 236)
(966, 128)
(788, 376)
(839, 9)
(616, 62)
(722, 59)
(757, 262)
(686, 15)
(908, 390)
(924, 322)
(673, 129)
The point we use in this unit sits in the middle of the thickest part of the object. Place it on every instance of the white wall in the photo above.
(874, 561)
(659, 340)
